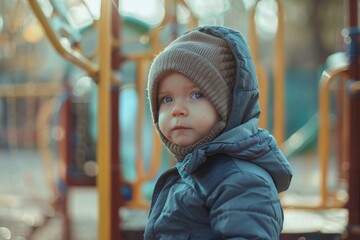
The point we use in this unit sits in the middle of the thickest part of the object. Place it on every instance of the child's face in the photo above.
(185, 114)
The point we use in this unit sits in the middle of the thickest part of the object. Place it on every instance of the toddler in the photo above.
(204, 100)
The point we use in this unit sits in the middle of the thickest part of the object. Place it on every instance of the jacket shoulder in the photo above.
(219, 167)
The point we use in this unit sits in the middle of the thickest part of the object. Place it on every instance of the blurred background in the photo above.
(50, 104)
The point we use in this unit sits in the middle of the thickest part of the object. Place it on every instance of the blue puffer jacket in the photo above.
(227, 188)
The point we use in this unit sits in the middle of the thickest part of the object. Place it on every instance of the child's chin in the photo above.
(184, 143)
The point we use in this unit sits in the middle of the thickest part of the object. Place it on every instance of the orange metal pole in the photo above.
(142, 176)
(323, 141)
(68, 53)
(103, 143)
(279, 65)
(262, 77)
(30, 90)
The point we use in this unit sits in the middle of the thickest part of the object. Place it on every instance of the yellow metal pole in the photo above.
(67, 52)
(324, 134)
(30, 90)
(261, 74)
(279, 101)
(326, 80)
(103, 143)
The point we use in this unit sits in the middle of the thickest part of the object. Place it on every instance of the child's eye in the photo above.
(166, 99)
(197, 95)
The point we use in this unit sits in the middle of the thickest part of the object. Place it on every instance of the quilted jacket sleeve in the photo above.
(245, 205)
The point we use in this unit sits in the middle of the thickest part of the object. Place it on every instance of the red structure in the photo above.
(353, 205)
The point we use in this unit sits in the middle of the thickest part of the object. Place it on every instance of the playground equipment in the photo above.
(279, 71)
(115, 189)
(337, 76)
(344, 78)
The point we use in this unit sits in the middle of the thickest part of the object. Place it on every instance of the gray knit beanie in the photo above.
(207, 61)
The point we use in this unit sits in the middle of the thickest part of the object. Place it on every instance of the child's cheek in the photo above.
(162, 123)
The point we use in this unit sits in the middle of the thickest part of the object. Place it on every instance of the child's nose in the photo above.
(179, 109)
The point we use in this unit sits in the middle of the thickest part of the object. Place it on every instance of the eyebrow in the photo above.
(193, 86)
(162, 93)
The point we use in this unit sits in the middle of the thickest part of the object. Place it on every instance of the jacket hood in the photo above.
(245, 101)
(241, 137)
